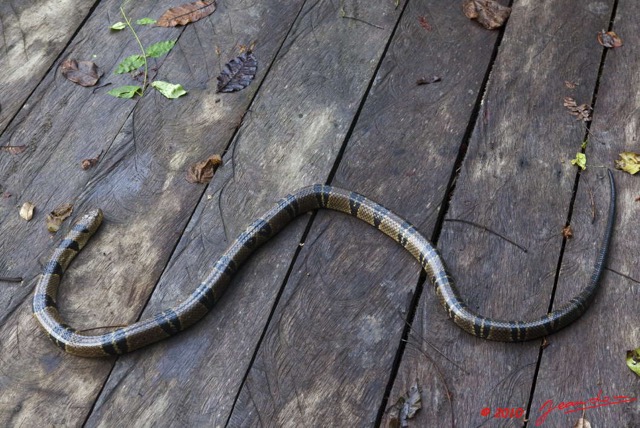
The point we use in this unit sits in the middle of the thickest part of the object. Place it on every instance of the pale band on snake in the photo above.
(171, 321)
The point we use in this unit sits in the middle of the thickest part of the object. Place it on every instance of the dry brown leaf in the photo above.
(489, 13)
(84, 73)
(14, 150)
(202, 172)
(57, 216)
(609, 39)
(91, 162)
(582, 423)
(186, 13)
(581, 112)
(26, 211)
(567, 232)
(569, 84)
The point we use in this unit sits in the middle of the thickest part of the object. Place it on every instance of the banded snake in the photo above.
(202, 300)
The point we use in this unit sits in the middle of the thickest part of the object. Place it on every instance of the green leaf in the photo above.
(145, 21)
(126, 91)
(169, 90)
(580, 160)
(118, 26)
(161, 48)
(633, 360)
(130, 63)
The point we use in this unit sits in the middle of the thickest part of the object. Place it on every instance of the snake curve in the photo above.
(202, 300)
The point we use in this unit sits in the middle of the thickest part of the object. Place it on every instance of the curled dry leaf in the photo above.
(567, 232)
(84, 73)
(489, 13)
(629, 162)
(238, 73)
(14, 150)
(406, 407)
(609, 39)
(202, 172)
(428, 80)
(582, 423)
(26, 211)
(57, 216)
(581, 112)
(411, 405)
(186, 13)
(91, 162)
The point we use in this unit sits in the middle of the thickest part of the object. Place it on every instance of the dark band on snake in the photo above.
(202, 300)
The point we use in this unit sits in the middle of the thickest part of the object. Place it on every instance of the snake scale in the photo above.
(200, 302)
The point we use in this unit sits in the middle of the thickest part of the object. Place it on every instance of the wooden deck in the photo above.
(330, 323)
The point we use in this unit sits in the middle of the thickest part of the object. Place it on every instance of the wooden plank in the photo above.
(33, 35)
(591, 356)
(139, 183)
(328, 353)
(290, 138)
(515, 182)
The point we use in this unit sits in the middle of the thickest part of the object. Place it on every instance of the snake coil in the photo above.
(200, 302)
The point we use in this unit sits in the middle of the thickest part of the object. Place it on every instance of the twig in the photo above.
(10, 279)
(343, 14)
(623, 275)
(363, 21)
(485, 228)
(144, 54)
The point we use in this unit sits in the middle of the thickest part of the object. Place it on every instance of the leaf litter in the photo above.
(489, 13)
(26, 211)
(186, 13)
(84, 73)
(609, 39)
(581, 112)
(202, 172)
(57, 216)
(238, 73)
(629, 162)
(406, 407)
(14, 150)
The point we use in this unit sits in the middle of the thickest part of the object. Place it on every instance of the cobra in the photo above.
(171, 321)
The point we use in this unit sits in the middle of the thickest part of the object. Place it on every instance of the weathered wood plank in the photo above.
(290, 138)
(329, 350)
(33, 35)
(516, 182)
(139, 183)
(591, 357)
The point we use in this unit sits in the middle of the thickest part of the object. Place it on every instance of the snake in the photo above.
(171, 321)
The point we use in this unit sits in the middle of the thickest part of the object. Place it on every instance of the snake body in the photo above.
(202, 300)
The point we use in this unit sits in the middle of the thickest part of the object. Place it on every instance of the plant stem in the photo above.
(144, 55)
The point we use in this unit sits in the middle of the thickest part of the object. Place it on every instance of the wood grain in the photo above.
(33, 35)
(139, 183)
(290, 138)
(516, 182)
(590, 357)
(330, 347)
